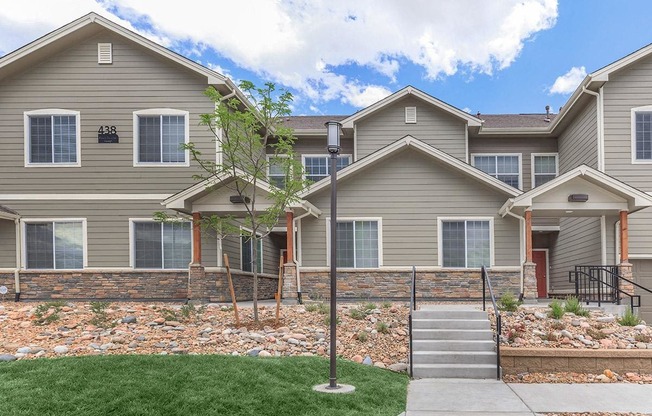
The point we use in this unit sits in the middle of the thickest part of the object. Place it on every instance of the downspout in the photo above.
(295, 222)
(521, 243)
(18, 262)
(600, 123)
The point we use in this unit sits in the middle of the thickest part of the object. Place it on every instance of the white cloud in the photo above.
(566, 84)
(308, 44)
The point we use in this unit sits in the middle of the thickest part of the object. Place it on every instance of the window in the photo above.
(247, 249)
(159, 245)
(358, 243)
(54, 244)
(52, 138)
(158, 137)
(642, 134)
(544, 168)
(319, 167)
(465, 242)
(507, 168)
(275, 173)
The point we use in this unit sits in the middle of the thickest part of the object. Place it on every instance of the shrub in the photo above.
(369, 306)
(312, 307)
(386, 305)
(629, 318)
(508, 302)
(362, 336)
(358, 314)
(574, 306)
(48, 312)
(100, 317)
(169, 314)
(324, 308)
(327, 320)
(556, 309)
(189, 311)
(382, 327)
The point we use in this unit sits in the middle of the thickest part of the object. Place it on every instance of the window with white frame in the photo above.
(159, 136)
(317, 167)
(247, 250)
(465, 242)
(506, 168)
(52, 138)
(275, 172)
(158, 245)
(358, 243)
(544, 168)
(57, 244)
(642, 134)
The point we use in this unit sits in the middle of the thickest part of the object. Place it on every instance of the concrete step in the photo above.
(449, 314)
(452, 334)
(450, 323)
(454, 357)
(453, 345)
(477, 371)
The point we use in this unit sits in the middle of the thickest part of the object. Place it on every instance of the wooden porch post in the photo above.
(624, 238)
(528, 236)
(289, 219)
(196, 238)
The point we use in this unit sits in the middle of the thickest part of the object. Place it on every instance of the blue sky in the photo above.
(337, 56)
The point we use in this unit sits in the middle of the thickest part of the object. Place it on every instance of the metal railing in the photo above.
(413, 307)
(486, 282)
(602, 284)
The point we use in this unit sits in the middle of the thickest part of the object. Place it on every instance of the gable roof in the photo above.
(7, 213)
(636, 198)
(603, 73)
(63, 35)
(413, 143)
(410, 90)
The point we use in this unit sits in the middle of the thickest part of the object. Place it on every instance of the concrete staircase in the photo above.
(452, 341)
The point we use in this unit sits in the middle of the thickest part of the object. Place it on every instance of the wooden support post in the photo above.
(231, 289)
(528, 236)
(279, 290)
(289, 219)
(624, 238)
(196, 238)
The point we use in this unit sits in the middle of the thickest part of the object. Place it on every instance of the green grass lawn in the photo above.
(194, 385)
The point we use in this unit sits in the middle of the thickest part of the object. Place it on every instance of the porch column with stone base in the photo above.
(530, 281)
(625, 270)
(197, 284)
(290, 284)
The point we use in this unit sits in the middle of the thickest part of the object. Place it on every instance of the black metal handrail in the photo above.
(591, 286)
(413, 307)
(486, 282)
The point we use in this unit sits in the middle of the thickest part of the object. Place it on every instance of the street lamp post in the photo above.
(333, 130)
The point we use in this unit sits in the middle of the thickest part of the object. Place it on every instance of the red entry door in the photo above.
(539, 257)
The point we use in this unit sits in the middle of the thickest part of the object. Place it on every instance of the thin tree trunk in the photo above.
(254, 253)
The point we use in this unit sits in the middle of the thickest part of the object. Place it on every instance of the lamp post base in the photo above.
(339, 389)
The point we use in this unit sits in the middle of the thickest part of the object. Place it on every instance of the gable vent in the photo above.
(410, 115)
(104, 53)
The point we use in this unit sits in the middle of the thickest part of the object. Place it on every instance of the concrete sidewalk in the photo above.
(436, 397)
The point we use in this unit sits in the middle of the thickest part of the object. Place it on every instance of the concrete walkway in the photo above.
(436, 397)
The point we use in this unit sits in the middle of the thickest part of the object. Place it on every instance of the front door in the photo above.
(540, 257)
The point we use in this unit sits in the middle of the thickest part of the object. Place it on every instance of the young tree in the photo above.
(247, 133)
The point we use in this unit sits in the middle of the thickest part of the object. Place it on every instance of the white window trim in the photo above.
(132, 245)
(23, 231)
(644, 109)
(160, 112)
(440, 237)
(532, 157)
(51, 112)
(520, 164)
(262, 249)
(328, 160)
(379, 220)
(269, 158)
(409, 120)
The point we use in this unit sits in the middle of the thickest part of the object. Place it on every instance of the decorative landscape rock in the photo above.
(7, 357)
(61, 349)
(129, 319)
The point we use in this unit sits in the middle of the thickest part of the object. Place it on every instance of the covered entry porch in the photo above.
(586, 216)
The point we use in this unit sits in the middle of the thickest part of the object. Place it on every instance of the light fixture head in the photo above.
(333, 131)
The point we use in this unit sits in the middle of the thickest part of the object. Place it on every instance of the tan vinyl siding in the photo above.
(231, 247)
(578, 243)
(107, 227)
(612, 234)
(433, 126)
(409, 191)
(104, 95)
(578, 142)
(640, 233)
(7, 244)
(271, 250)
(627, 89)
(522, 145)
